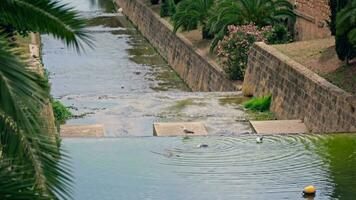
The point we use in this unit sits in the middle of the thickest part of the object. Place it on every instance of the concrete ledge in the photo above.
(179, 129)
(82, 131)
(279, 127)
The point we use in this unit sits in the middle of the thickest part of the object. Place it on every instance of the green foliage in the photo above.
(154, 2)
(335, 7)
(258, 12)
(192, 13)
(61, 112)
(259, 104)
(346, 32)
(29, 158)
(278, 35)
(233, 49)
(168, 8)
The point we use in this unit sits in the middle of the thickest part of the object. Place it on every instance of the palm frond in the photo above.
(23, 136)
(46, 17)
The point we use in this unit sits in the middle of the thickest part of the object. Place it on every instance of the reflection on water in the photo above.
(230, 168)
(340, 154)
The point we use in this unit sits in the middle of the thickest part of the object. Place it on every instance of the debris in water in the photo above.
(309, 191)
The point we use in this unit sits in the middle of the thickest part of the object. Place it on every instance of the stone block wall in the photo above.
(199, 72)
(312, 19)
(298, 93)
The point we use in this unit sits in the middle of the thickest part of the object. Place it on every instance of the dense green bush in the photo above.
(335, 7)
(279, 35)
(61, 112)
(346, 32)
(343, 26)
(233, 49)
(154, 2)
(259, 104)
(168, 8)
(192, 13)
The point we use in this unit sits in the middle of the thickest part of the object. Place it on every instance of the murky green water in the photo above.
(125, 85)
(230, 168)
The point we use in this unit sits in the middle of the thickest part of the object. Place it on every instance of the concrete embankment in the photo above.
(299, 93)
(36, 65)
(199, 72)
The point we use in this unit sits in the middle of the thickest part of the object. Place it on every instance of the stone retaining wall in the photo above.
(36, 65)
(298, 93)
(199, 72)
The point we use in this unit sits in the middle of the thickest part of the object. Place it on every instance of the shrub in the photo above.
(343, 26)
(168, 8)
(259, 104)
(346, 32)
(191, 13)
(278, 35)
(61, 113)
(233, 49)
(154, 2)
(242, 12)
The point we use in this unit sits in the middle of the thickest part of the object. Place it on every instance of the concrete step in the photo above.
(82, 131)
(279, 127)
(179, 129)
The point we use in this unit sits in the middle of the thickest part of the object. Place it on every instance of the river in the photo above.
(124, 84)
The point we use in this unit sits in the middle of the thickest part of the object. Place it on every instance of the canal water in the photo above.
(125, 85)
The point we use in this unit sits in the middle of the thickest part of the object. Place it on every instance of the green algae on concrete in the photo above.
(233, 100)
(181, 104)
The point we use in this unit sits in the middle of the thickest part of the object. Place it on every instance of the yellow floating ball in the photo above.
(309, 190)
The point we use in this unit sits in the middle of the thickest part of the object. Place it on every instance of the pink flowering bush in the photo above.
(234, 47)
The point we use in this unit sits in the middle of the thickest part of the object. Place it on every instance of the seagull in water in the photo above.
(259, 139)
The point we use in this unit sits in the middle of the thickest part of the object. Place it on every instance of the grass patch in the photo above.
(344, 77)
(259, 104)
(61, 112)
(261, 116)
(233, 100)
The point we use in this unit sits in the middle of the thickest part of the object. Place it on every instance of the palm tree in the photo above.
(346, 32)
(241, 12)
(32, 163)
(191, 13)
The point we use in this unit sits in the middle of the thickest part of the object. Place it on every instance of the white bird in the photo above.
(259, 139)
(120, 10)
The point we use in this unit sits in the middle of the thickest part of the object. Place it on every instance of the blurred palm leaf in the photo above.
(32, 164)
(346, 22)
